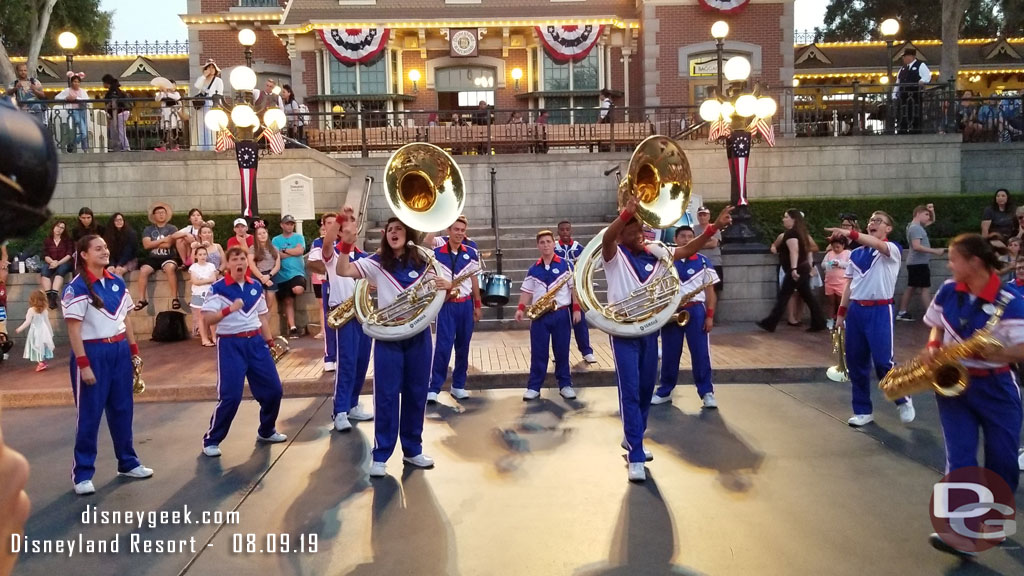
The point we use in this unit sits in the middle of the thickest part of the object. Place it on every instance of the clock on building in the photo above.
(464, 42)
(725, 5)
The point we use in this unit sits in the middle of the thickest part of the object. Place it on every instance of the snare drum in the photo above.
(498, 289)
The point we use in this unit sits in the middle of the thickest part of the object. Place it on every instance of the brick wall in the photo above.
(223, 46)
(309, 76)
(684, 25)
(504, 98)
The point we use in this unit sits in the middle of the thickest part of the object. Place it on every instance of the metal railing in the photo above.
(259, 3)
(145, 48)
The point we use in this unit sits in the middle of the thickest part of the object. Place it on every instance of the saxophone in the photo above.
(546, 303)
(682, 317)
(138, 384)
(943, 372)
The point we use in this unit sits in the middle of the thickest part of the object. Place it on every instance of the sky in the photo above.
(158, 19)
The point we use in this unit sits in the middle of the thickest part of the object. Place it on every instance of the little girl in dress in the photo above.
(39, 344)
(202, 274)
(834, 265)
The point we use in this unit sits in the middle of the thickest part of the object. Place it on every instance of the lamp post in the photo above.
(68, 42)
(889, 29)
(719, 30)
(414, 76)
(733, 113)
(246, 37)
(517, 75)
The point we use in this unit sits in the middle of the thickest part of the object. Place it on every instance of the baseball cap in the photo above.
(703, 210)
(240, 221)
(287, 219)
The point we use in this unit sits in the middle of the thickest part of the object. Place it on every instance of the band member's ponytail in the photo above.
(83, 246)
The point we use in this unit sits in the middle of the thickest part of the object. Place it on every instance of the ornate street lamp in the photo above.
(517, 75)
(68, 42)
(414, 76)
(889, 29)
(241, 129)
(735, 115)
(719, 30)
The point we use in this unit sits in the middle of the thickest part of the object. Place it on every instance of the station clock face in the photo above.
(725, 5)
(464, 43)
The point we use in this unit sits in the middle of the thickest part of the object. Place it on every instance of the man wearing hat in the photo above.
(158, 238)
(291, 278)
(911, 76)
(713, 249)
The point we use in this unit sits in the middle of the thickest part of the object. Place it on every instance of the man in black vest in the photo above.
(912, 75)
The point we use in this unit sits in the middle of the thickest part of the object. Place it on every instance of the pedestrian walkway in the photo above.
(185, 371)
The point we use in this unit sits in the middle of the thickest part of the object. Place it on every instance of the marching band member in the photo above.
(459, 312)
(352, 345)
(95, 306)
(553, 327)
(237, 305)
(315, 264)
(629, 265)
(569, 250)
(991, 403)
(867, 307)
(400, 379)
(694, 272)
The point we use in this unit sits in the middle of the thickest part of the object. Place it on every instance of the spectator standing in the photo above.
(202, 274)
(606, 107)
(57, 254)
(919, 273)
(27, 92)
(795, 262)
(86, 224)
(118, 110)
(39, 343)
(158, 239)
(849, 222)
(834, 264)
(999, 216)
(910, 79)
(713, 249)
(210, 88)
(170, 117)
(122, 241)
(78, 111)
(293, 109)
(291, 278)
(482, 114)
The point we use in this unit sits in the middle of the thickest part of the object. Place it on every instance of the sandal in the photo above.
(141, 304)
(175, 304)
(208, 344)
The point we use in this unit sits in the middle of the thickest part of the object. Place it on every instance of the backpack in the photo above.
(170, 327)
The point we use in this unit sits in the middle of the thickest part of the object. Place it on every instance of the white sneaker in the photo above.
(358, 414)
(1020, 460)
(460, 393)
(378, 469)
(907, 412)
(420, 461)
(213, 451)
(830, 324)
(139, 471)
(85, 487)
(648, 455)
(341, 423)
(330, 366)
(637, 472)
(431, 397)
(858, 420)
(655, 400)
(273, 438)
(590, 358)
(531, 394)
(568, 393)
(709, 401)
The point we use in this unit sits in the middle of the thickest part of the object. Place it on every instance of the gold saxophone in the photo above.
(138, 384)
(682, 317)
(546, 303)
(943, 372)
(838, 372)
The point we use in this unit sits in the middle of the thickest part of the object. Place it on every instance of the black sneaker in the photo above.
(939, 544)
(51, 298)
(763, 325)
(293, 333)
(904, 316)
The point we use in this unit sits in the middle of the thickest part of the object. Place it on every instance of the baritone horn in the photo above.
(659, 179)
(838, 372)
(424, 188)
(138, 384)
(279, 349)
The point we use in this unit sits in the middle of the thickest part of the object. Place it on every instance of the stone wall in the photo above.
(989, 166)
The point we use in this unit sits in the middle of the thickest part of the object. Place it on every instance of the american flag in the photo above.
(737, 148)
(224, 141)
(764, 127)
(248, 157)
(275, 140)
(719, 129)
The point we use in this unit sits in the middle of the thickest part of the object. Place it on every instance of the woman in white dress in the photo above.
(209, 85)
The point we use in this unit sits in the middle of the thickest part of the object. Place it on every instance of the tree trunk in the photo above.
(6, 68)
(39, 33)
(952, 18)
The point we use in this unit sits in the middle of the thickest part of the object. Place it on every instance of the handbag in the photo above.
(199, 103)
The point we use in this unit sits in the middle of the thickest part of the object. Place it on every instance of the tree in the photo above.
(953, 12)
(30, 28)
(848, 20)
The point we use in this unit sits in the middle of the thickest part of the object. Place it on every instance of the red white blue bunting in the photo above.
(354, 45)
(726, 6)
(569, 43)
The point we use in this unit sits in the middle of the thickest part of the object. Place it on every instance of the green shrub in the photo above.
(222, 231)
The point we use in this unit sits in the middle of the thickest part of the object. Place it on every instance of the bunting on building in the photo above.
(570, 43)
(726, 6)
(354, 45)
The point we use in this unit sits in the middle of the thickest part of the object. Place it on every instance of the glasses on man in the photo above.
(879, 220)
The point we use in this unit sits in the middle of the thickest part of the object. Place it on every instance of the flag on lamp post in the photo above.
(248, 157)
(737, 148)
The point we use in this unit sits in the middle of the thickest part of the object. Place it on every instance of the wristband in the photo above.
(576, 307)
(477, 304)
(936, 344)
(346, 248)
(225, 311)
(625, 215)
(82, 362)
(522, 308)
(711, 230)
(270, 342)
(134, 348)
(842, 311)
(854, 235)
(710, 313)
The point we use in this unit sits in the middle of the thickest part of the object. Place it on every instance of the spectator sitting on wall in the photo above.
(999, 216)
(242, 237)
(184, 238)
(86, 224)
(1011, 125)
(121, 241)
(58, 252)
(158, 239)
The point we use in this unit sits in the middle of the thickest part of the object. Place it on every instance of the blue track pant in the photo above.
(636, 367)
(400, 380)
(699, 344)
(454, 328)
(353, 354)
(550, 329)
(868, 342)
(239, 359)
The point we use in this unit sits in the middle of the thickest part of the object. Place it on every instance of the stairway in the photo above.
(519, 252)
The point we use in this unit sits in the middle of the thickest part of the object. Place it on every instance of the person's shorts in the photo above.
(197, 301)
(62, 270)
(919, 276)
(158, 262)
(284, 289)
